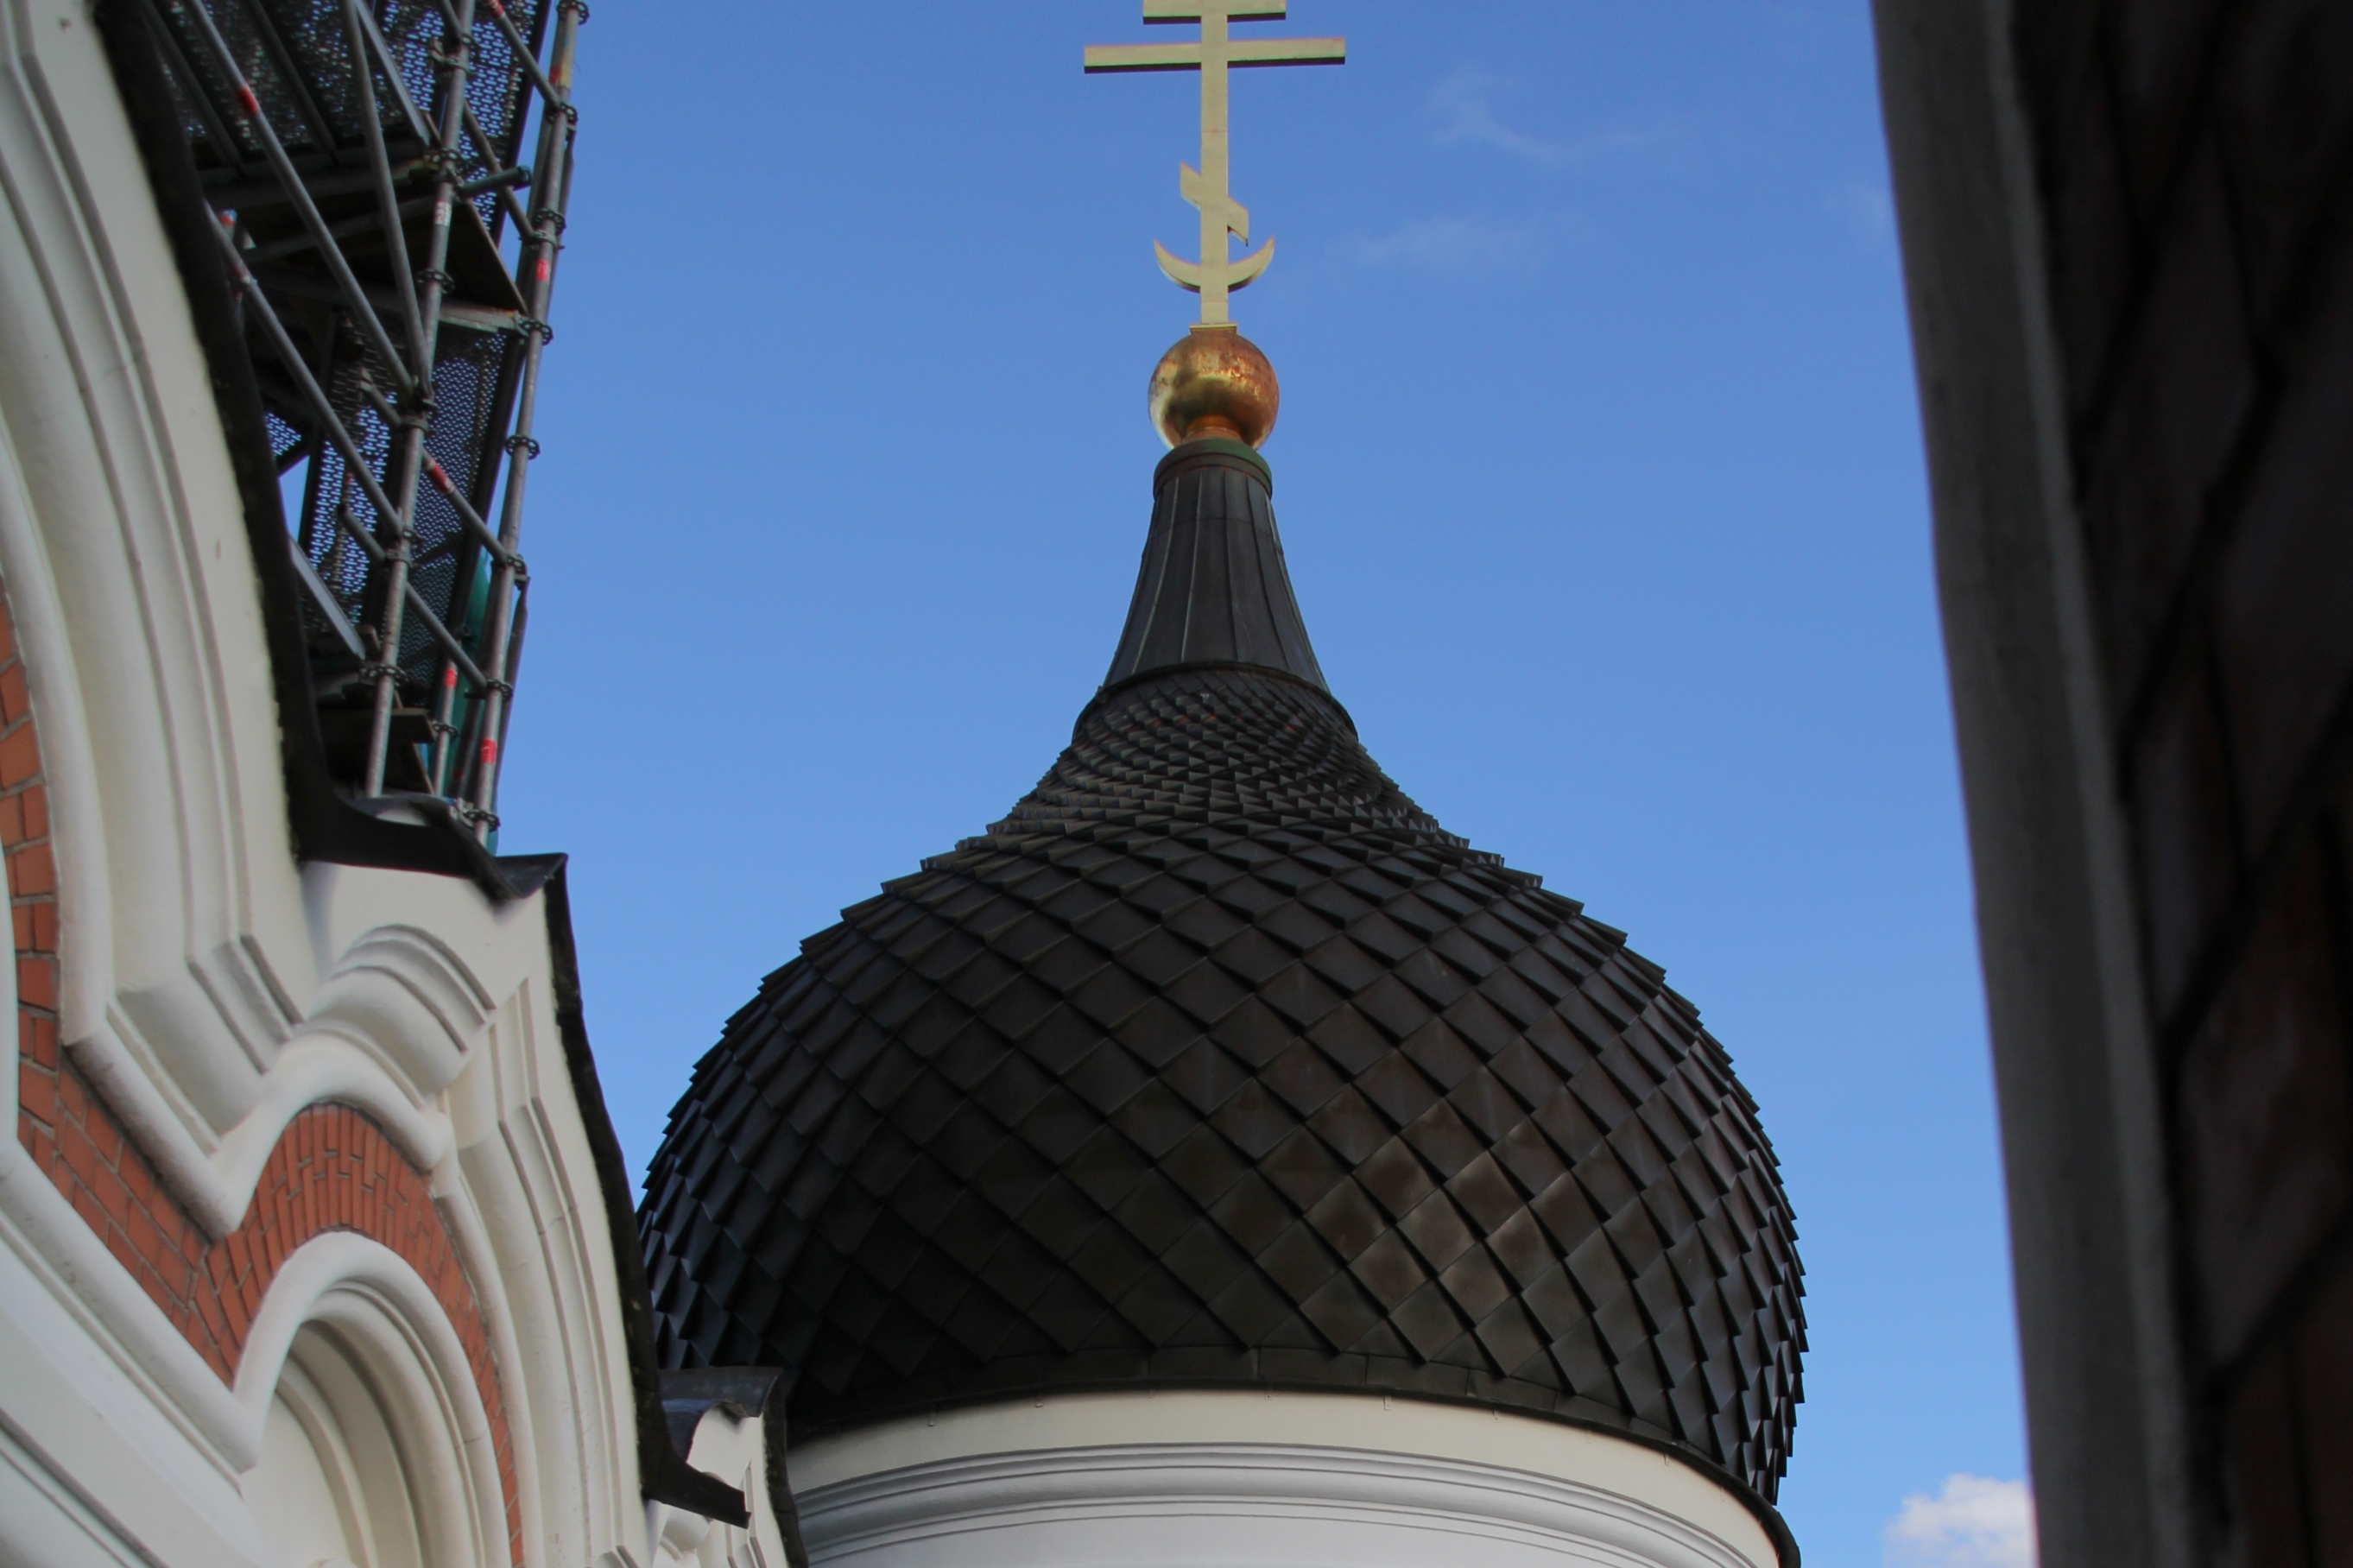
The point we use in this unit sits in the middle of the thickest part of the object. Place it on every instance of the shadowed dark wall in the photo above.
(2173, 183)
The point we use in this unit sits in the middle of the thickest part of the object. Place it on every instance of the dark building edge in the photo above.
(2041, 207)
(662, 1472)
(325, 827)
(2082, 1164)
(2127, 235)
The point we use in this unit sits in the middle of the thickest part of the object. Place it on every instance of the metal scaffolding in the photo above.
(393, 255)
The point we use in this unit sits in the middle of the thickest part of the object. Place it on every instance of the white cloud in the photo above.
(1453, 245)
(1973, 1523)
(1465, 114)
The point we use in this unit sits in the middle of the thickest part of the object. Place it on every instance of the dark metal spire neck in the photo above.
(1213, 589)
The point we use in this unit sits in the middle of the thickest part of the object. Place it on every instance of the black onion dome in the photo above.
(1218, 1061)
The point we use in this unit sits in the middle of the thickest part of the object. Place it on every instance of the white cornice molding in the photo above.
(402, 985)
(318, 1067)
(398, 1016)
(1490, 1442)
(865, 1489)
(1133, 1506)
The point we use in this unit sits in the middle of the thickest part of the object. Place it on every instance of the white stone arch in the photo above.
(374, 1444)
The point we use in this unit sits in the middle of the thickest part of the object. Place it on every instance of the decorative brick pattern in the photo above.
(2196, 161)
(332, 1168)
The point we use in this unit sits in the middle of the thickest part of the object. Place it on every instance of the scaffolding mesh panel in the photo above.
(353, 243)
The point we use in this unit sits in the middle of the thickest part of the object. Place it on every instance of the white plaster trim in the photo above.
(401, 985)
(115, 517)
(59, 1249)
(319, 1067)
(371, 1294)
(521, 1204)
(496, 1281)
(133, 1091)
(338, 1260)
(388, 1041)
(1409, 1430)
(1243, 1505)
(436, 1417)
(138, 523)
(44, 1519)
(84, 980)
(90, 1444)
(532, 1184)
(397, 1020)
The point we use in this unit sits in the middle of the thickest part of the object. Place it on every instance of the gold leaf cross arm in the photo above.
(1216, 275)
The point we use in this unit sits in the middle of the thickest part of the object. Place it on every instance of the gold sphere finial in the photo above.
(1214, 382)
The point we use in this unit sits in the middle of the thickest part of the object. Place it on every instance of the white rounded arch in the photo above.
(375, 1445)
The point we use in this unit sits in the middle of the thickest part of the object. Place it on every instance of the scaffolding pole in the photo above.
(556, 127)
(266, 86)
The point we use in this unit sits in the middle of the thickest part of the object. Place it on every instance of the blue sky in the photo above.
(1599, 475)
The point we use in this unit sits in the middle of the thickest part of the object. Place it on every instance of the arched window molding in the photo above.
(355, 1349)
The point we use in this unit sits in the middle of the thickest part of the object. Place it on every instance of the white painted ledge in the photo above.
(1236, 1480)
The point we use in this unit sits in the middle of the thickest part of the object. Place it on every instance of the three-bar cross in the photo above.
(1215, 275)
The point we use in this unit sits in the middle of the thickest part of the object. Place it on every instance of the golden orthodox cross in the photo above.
(1215, 275)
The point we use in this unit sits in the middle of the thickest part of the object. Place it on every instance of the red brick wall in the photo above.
(332, 1168)
(2196, 162)
(31, 874)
